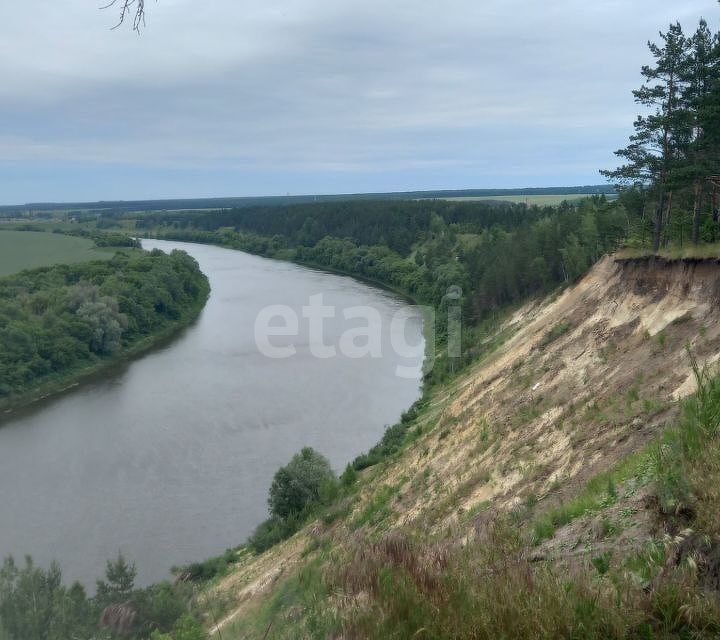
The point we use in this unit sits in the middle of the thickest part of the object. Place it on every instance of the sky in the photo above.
(242, 97)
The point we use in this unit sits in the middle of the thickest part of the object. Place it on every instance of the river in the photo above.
(168, 459)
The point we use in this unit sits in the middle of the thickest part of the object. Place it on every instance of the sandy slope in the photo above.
(586, 378)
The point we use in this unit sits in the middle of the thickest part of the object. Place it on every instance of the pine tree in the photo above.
(701, 76)
(120, 581)
(656, 145)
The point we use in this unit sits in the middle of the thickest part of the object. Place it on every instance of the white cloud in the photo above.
(322, 86)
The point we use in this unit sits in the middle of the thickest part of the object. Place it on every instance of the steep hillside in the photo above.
(581, 382)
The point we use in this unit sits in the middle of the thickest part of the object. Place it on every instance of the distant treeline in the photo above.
(57, 321)
(394, 224)
(188, 204)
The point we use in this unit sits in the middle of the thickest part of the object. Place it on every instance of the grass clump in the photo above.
(684, 460)
(208, 569)
(277, 617)
(377, 510)
(560, 329)
(598, 493)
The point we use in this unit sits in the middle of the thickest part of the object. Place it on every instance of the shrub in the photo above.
(186, 628)
(207, 569)
(560, 329)
(349, 476)
(306, 480)
(273, 530)
(297, 491)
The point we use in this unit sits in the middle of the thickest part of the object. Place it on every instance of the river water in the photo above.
(169, 458)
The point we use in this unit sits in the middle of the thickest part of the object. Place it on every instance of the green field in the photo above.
(538, 199)
(26, 250)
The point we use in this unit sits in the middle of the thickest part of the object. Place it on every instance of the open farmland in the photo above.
(550, 200)
(27, 250)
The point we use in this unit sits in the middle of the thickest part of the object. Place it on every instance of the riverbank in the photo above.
(199, 424)
(62, 382)
(289, 255)
(514, 459)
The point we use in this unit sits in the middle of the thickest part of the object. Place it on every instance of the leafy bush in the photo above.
(306, 480)
(207, 569)
(298, 491)
(273, 530)
(186, 628)
(349, 476)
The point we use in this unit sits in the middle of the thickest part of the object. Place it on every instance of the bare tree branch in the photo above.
(134, 9)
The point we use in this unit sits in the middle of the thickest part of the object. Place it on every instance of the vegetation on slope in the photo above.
(407, 584)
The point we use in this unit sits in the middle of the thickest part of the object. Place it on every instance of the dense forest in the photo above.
(422, 247)
(57, 321)
(497, 254)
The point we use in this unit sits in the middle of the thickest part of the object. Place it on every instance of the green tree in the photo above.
(703, 153)
(300, 484)
(659, 137)
(106, 322)
(119, 581)
(34, 604)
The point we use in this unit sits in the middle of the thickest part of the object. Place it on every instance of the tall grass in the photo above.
(492, 591)
(684, 447)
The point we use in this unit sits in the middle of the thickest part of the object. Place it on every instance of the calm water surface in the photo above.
(169, 458)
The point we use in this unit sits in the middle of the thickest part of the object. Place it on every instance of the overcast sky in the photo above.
(241, 97)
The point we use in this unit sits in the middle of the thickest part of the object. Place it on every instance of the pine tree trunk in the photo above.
(714, 210)
(698, 189)
(658, 222)
(666, 220)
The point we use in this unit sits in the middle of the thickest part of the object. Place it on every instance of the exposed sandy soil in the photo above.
(254, 576)
(586, 378)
